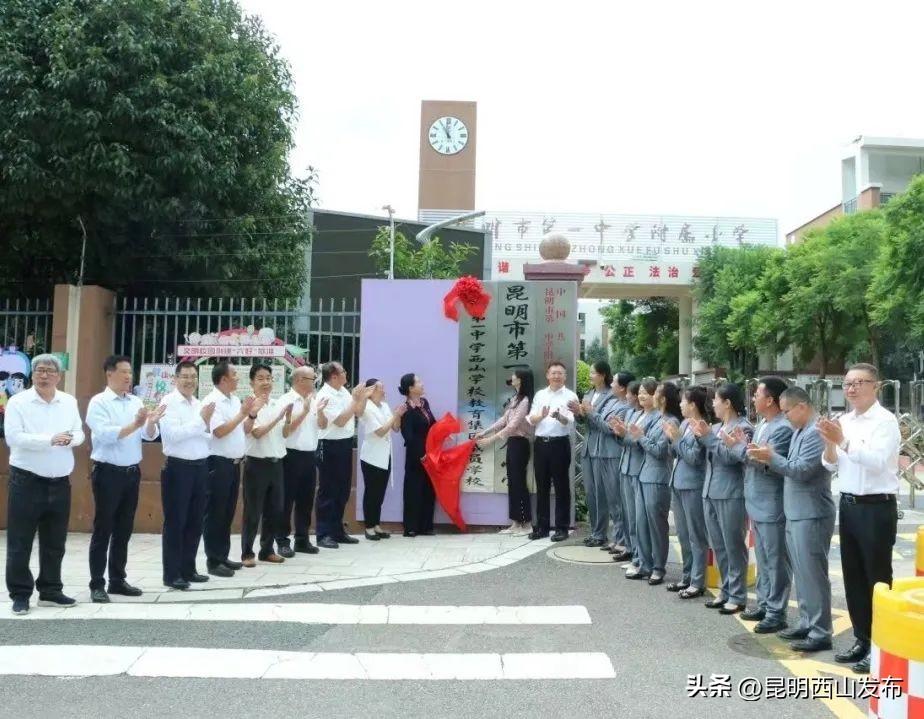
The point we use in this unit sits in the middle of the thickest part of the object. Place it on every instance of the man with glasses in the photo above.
(184, 431)
(862, 446)
(298, 468)
(42, 428)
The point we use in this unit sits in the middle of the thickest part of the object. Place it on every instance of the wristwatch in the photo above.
(252, 416)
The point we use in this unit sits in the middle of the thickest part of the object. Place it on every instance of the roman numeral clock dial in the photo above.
(448, 135)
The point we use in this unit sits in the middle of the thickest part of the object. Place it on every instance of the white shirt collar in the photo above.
(110, 395)
(37, 398)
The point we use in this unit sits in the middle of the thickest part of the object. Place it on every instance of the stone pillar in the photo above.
(685, 332)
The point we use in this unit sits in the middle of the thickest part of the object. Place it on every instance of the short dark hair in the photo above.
(113, 361)
(797, 395)
(220, 371)
(257, 367)
(405, 384)
(603, 368)
(775, 387)
(870, 369)
(731, 392)
(329, 369)
(371, 381)
(185, 364)
(555, 363)
(624, 378)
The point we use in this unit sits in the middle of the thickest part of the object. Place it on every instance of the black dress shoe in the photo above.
(286, 552)
(125, 589)
(99, 596)
(233, 566)
(383, 535)
(347, 539)
(327, 543)
(220, 570)
(854, 654)
(372, 536)
(862, 666)
(596, 543)
(730, 609)
(180, 584)
(622, 556)
(637, 574)
(536, 534)
(768, 626)
(753, 615)
(794, 633)
(811, 645)
(197, 578)
(409, 534)
(559, 536)
(655, 579)
(716, 603)
(305, 548)
(586, 541)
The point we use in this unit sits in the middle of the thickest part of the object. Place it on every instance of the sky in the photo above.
(700, 108)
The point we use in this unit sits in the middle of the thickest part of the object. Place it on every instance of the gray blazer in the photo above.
(658, 462)
(600, 440)
(806, 484)
(763, 487)
(725, 468)
(633, 455)
(690, 469)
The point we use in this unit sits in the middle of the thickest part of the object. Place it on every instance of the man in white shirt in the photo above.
(263, 482)
(230, 425)
(118, 421)
(337, 427)
(184, 431)
(863, 446)
(42, 428)
(298, 468)
(552, 454)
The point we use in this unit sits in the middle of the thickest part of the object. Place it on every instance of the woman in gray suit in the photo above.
(662, 406)
(629, 464)
(687, 492)
(723, 495)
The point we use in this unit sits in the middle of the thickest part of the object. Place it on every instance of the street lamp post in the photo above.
(424, 235)
(391, 245)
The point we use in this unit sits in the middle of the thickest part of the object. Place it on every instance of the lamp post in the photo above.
(424, 235)
(391, 245)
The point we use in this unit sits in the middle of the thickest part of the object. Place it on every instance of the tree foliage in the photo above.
(644, 336)
(582, 378)
(432, 260)
(596, 352)
(161, 129)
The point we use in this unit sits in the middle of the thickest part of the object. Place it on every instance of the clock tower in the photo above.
(447, 157)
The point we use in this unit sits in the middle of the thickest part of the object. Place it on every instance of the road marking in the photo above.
(87, 661)
(317, 613)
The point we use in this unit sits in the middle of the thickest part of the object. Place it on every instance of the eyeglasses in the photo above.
(45, 370)
(858, 383)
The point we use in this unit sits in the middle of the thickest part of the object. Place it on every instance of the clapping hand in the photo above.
(62, 439)
(618, 426)
(286, 412)
(671, 430)
(141, 416)
(759, 454)
(155, 414)
(700, 428)
(575, 406)
(258, 404)
(207, 411)
(635, 431)
(729, 438)
(831, 430)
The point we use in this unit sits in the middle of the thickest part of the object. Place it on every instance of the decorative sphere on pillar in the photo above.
(554, 247)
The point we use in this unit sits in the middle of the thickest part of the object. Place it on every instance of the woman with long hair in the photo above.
(629, 464)
(687, 492)
(661, 403)
(513, 427)
(419, 497)
(723, 495)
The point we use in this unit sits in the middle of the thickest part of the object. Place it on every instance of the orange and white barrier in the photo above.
(714, 577)
(897, 658)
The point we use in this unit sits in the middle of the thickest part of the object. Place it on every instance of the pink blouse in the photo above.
(513, 421)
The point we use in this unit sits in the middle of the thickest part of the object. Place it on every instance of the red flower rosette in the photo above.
(471, 293)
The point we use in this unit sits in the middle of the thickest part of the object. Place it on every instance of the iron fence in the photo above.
(149, 330)
(26, 325)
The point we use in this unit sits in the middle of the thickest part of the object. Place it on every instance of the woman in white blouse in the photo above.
(376, 425)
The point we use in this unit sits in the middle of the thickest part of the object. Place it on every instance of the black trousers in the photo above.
(518, 502)
(375, 480)
(419, 497)
(867, 533)
(115, 499)
(552, 465)
(35, 504)
(298, 470)
(182, 492)
(263, 498)
(224, 485)
(335, 470)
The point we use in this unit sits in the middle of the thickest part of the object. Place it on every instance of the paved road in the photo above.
(652, 641)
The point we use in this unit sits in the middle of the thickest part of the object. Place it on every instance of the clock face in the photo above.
(448, 135)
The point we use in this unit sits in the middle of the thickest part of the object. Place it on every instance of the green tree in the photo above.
(582, 378)
(896, 291)
(431, 260)
(644, 336)
(161, 130)
(735, 317)
(596, 352)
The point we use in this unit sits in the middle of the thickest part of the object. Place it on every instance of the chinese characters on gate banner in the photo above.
(528, 324)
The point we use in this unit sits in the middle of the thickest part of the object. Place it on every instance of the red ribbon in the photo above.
(445, 467)
(471, 293)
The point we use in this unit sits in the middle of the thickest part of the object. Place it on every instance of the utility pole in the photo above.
(391, 247)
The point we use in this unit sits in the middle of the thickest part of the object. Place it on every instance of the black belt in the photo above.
(271, 460)
(188, 462)
(344, 439)
(299, 451)
(563, 438)
(130, 469)
(867, 498)
(219, 458)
